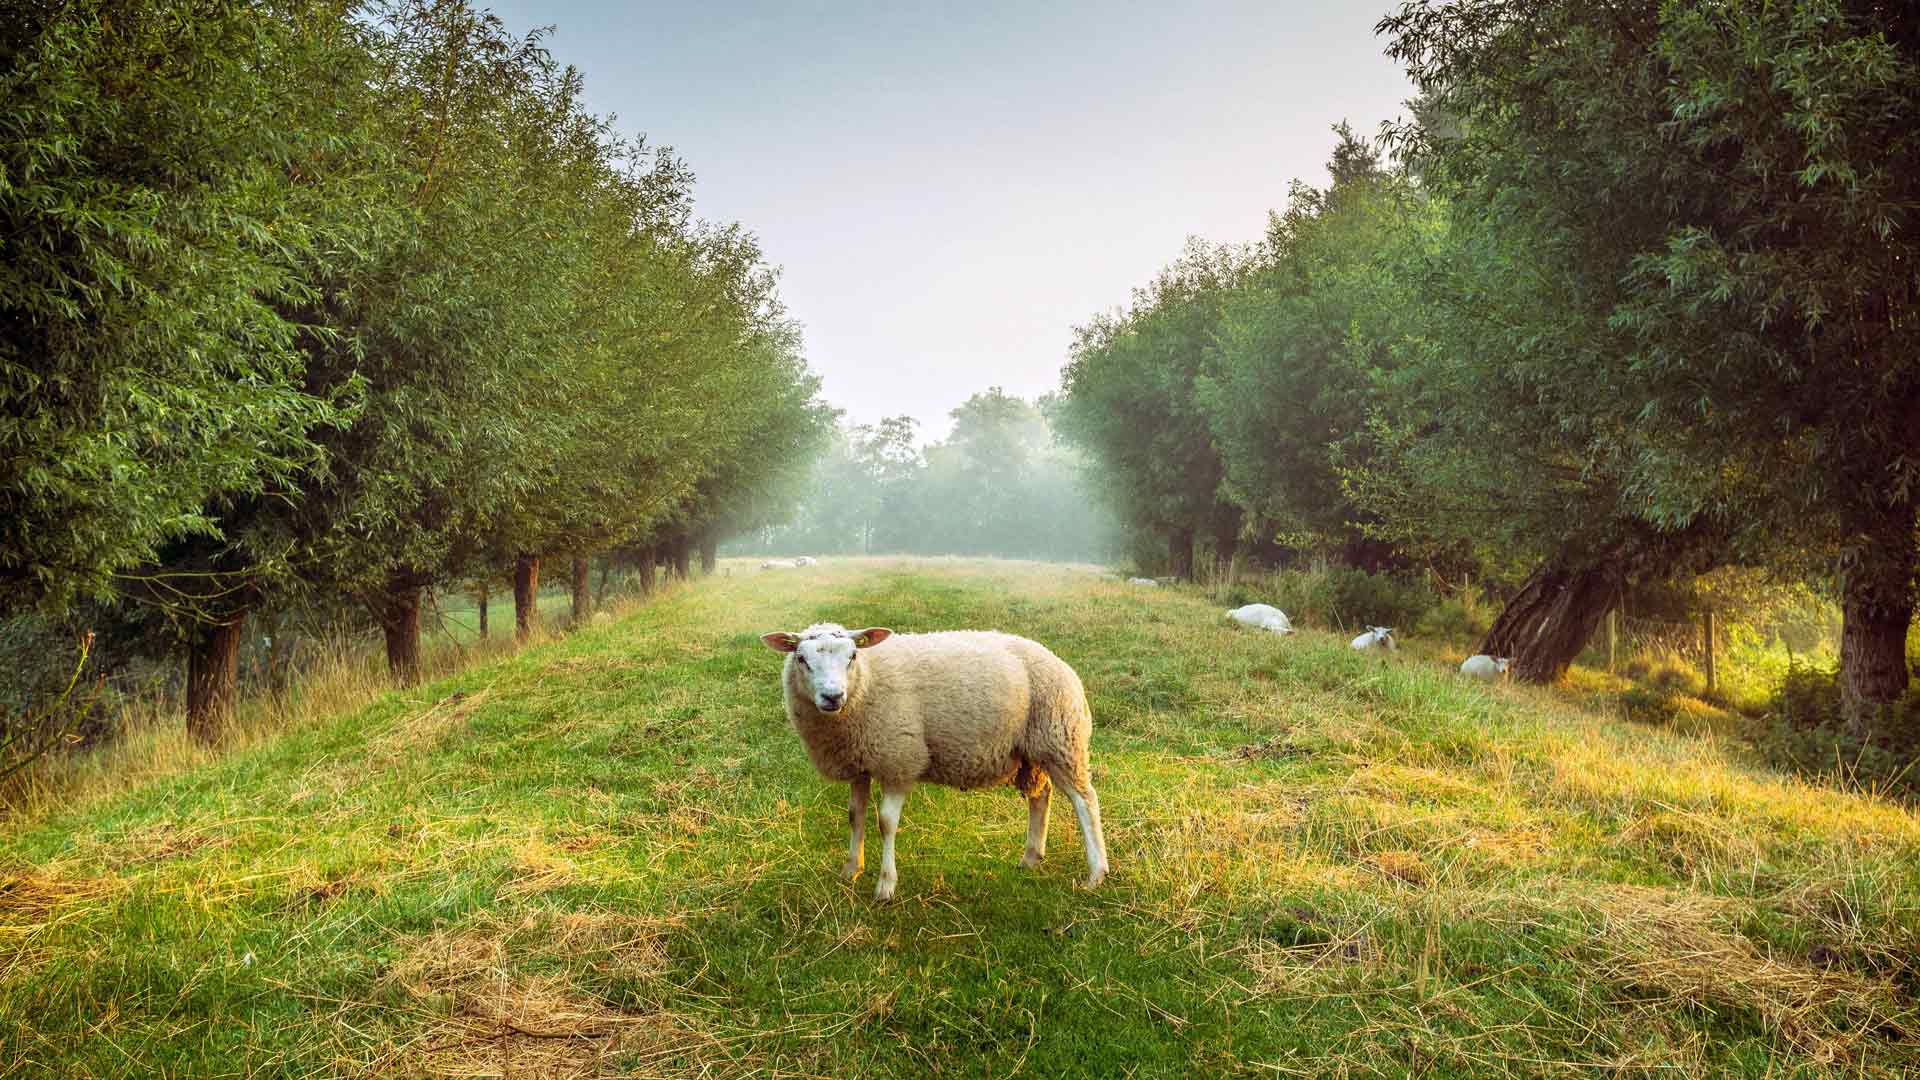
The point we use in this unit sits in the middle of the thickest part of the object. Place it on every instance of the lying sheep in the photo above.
(1263, 617)
(1142, 581)
(1376, 637)
(805, 560)
(779, 564)
(1482, 666)
(964, 708)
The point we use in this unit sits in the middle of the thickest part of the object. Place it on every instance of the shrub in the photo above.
(1805, 732)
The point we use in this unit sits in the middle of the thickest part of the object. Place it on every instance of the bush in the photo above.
(1805, 732)
(1341, 597)
(1462, 619)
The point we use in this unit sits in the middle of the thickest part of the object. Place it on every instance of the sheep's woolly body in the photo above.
(963, 708)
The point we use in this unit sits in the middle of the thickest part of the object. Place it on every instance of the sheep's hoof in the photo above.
(850, 871)
(1030, 860)
(1094, 879)
(885, 891)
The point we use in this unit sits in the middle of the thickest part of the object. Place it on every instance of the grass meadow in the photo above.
(606, 855)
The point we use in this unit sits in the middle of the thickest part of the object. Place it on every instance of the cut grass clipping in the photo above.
(608, 856)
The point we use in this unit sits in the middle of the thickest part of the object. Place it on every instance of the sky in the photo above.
(949, 189)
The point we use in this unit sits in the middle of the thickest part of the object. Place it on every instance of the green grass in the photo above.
(607, 855)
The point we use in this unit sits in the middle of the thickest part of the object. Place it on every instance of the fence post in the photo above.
(1713, 682)
(1613, 636)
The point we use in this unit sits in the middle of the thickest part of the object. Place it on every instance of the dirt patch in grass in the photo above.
(483, 1013)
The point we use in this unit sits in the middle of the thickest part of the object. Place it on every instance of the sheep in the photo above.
(963, 708)
(1263, 616)
(1482, 666)
(1376, 637)
(778, 564)
(805, 560)
(1142, 581)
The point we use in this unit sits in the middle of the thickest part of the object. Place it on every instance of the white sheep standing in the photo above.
(1482, 666)
(1263, 617)
(1376, 637)
(963, 708)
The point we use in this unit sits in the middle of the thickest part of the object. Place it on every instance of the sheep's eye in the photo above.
(802, 659)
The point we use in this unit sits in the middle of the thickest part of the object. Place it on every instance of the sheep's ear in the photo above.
(781, 641)
(871, 636)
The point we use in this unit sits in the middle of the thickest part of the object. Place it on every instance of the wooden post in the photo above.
(1713, 681)
(1613, 637)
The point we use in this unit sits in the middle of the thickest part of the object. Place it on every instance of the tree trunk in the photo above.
(680, 549)
(649, 562)
(481, 596)
(709, 553)
(582, 598)
(606, 571)
(1549, 621)
(400, 622)
(1180, 554)
(526, 595)
(1877, 609)
(213, 663)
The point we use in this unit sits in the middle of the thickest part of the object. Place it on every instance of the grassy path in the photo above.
(608, 856)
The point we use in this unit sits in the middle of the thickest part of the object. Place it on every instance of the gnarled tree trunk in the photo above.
(606, 571)
(1549, 621)
(1877, 608)
(213, 664)
(679, 549)
(582, 597)
(526, 595)
(709, 553)
(399, 615)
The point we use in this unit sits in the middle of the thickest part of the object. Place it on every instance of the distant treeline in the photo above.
(998, 485)
(322, 306)
(1633, 297)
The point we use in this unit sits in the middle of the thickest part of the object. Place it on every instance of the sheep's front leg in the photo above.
(858, 790)
(1037, 807)
(892, 798)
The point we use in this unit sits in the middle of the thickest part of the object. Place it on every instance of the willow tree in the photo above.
(1721, 197)
(1129, 402)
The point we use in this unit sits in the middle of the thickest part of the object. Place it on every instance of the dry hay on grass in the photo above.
(475, 1015)
(32, 903)
(1691, 843)
(1686, 948)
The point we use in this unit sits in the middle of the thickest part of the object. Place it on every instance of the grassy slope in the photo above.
(608, 855)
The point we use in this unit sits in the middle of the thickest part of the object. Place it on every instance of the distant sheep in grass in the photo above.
(805, 560)
(964, 708)
(1142, 581)
(779, 564)
(1482, 666)
(1376, 637)
(1263, 617)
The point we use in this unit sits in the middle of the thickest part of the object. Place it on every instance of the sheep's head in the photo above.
(1500, 663)
(822, 657)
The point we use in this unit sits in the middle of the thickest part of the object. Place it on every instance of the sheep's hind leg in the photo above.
(892, 798)
(858, 790)
(1086, 806)
(1037, 807)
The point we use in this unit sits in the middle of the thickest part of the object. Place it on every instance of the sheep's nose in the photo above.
(830, 702)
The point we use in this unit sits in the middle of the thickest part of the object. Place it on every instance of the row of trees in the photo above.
(999, 484)
(307, 303)
(1637, 299)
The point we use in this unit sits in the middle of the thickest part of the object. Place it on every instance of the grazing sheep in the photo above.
(779, 564)
(1262, 616)
(964, 708)
(1376, 637)
(1142, 581)
(805, 560)
(1482, 666)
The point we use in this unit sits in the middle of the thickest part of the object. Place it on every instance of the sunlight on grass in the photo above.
(607, 855)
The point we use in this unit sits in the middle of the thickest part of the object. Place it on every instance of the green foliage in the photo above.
(1806, 732)
(1340, 597)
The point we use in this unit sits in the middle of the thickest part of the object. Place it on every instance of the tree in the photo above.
(1720, 198)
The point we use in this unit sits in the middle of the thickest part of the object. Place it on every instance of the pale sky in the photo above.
(949, 189)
